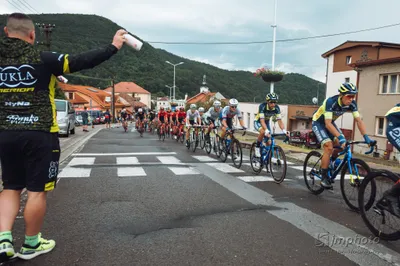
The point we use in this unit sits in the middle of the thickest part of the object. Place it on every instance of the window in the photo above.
(347, 80)
(380, 128)
(348, 60)
(70, 95)
(389, 84)
(248, 120)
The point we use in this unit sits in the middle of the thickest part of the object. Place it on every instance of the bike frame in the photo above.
(271, 147)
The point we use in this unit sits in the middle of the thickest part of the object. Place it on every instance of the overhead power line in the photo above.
(281, 40)
(28, 6)
(17, 7)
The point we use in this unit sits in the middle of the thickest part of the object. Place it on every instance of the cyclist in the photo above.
(162, 117)
(172, 121)
(192, 118)
(151, 117)
(325, 129)
(391, 197)
(140, 116)
(180, 116)
(228, 113)
(267, 110)
(124, 116)
(168, 122)
(202, 117)
(212, 116)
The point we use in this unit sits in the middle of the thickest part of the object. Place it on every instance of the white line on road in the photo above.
(299, 167)
(131, 171)
(72, 172)
(169, 160)
(226, 168)
(124, 153)
(204, 158)
(184, 170)
(127, 160)
(257, 178)
(82, 161)
(318, 227)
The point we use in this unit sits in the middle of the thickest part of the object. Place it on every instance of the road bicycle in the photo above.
(231, 145)
(193, 137)
(381, 214)
(272, 156)
(354, 166)
(212, 142)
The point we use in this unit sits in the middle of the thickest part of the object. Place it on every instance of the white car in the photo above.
(65, 117)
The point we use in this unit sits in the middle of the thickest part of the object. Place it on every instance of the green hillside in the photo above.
(147, 68)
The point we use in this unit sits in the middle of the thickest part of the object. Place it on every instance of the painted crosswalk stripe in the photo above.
(301, 168)
(204, 158)
(127, 160)
(169, 160)
(82, 161)
(131, 171)
(184, 170)
(255, 178)
(274, 160)
(223, 167)
(124, 154)
(72, 172)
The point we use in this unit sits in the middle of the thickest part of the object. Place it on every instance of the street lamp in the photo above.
(273, 48)
(170, 91)
(174, 65)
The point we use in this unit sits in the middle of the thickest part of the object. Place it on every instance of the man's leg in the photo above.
(324, 138)
(41, 166)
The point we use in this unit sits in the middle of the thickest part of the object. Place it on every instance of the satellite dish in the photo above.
(314, 100)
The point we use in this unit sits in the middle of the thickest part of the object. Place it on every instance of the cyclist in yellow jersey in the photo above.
(391, 199)
(325, 129)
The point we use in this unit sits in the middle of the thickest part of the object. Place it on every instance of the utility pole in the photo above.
(113, 100)
(48, 30)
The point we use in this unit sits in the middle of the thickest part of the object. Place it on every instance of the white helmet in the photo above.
(217, 104)
(233, 102)
(201, 109)
(140, 110)
(193, 106)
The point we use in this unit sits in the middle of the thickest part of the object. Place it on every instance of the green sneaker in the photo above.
(44, 246)
(6, 250)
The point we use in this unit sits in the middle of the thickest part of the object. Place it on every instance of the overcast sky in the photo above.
(234, 20)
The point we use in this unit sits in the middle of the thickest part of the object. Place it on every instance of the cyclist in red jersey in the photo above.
(180, 116)
(162, 117)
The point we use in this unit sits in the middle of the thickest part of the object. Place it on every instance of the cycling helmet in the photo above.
(348, 88)
(201, 109)
(217, 104)
(233, 102)
(271, 97)
(193, 106)
(140, 110)
(182, 108)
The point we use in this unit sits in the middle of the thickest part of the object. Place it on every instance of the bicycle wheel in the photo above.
(236, 153)
(277, 160)
(216, 145)
(314, 159)
(350, 198)
(255, 162)
(202, 139)
(222, 150)
(208, 145)
(195, 141)
(378, 214)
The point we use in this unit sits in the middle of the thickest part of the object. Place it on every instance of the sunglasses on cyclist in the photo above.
(233, 106)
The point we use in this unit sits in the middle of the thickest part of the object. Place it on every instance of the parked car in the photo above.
(304, 137)
(65, 117)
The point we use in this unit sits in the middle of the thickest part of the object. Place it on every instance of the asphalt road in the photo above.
(127, 200)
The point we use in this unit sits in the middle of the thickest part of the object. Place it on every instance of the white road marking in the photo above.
(318, 227)
(72, 172)
(204, 158)
(255, 178)
(299, 167)
(226, 168)
(131, 171)
(82, 161)
(127, 160)
(124, 154)
(184, 170)
(169, 160)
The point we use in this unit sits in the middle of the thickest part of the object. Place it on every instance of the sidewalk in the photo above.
(300, 153)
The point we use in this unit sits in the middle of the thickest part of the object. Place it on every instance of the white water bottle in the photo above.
(133, 42)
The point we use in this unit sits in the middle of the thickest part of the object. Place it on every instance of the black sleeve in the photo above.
(60, 64)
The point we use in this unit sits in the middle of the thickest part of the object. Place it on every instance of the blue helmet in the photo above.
(271, 97)
(348, 88)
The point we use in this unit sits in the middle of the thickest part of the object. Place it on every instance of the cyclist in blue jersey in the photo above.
(391, 198)
(325, 129)
(212, 116)
(228, 113)
(267, 110)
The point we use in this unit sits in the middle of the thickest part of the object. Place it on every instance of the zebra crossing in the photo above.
(137, 165)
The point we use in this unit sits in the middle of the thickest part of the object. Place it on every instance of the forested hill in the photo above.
(147, 68)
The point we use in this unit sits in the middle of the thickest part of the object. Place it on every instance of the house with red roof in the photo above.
(134, 91)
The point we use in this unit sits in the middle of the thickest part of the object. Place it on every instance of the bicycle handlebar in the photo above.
(372, 145)
(234, 129)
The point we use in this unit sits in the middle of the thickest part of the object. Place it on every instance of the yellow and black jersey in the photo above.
(265, 113)
(393, 115)
(28, 79)
(333, 109)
